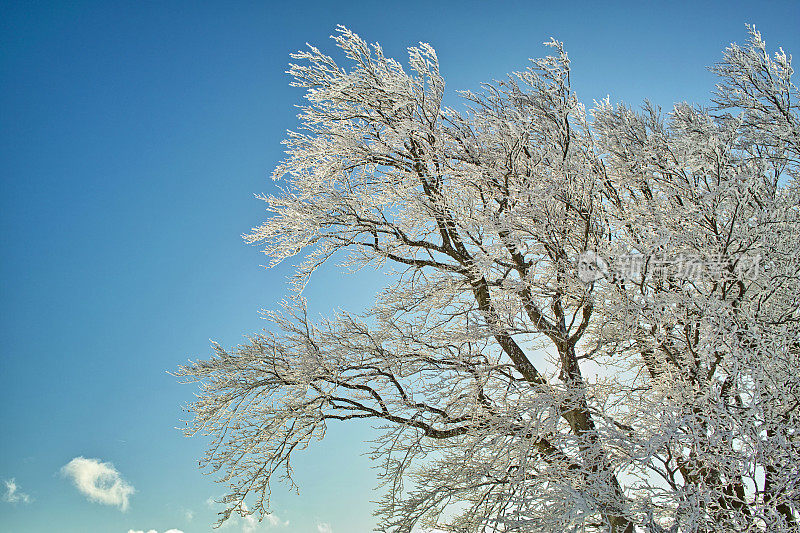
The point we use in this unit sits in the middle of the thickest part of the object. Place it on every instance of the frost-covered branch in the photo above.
(514, 389)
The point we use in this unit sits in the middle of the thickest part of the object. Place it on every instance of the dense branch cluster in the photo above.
(513, 393)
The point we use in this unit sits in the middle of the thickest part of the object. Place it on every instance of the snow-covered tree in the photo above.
(592, 317)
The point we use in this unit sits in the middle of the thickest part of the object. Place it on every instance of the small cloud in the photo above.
(13, 494)
(324, 527)
(100, 482)
(188, 514)
(273, 520)
(249, 523)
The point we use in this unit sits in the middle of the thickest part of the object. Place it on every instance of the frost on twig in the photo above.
(512, 392)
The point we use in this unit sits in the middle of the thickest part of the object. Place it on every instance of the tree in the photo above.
(592, 321)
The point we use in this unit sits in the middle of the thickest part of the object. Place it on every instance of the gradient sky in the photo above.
(133, 136)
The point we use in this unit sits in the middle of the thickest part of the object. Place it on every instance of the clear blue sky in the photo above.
(132, 138)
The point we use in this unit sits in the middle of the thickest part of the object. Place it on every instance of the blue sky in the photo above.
(133, 136)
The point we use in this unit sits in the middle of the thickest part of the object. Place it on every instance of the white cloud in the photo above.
(188, 514)
(13, 494)
(249, 523)
(100, 482)
(324, 527)
(273, 520)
